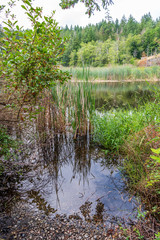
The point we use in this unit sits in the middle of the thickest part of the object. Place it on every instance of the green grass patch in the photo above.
(113, 127)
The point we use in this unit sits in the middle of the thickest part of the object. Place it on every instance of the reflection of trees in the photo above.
(119, 95)
(99, 211)
(40, 202)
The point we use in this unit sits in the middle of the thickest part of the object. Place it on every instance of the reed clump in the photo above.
(119, 73)
(73, 106)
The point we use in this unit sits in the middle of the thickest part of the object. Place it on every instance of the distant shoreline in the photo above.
(116, 81)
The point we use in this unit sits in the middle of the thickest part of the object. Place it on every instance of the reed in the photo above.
(120, 73)
(73, 106)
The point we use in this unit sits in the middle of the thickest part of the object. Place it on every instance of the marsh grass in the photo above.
(73, 106)
(113, 127)
(120, 73)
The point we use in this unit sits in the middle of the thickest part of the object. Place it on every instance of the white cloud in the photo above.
(76, 15)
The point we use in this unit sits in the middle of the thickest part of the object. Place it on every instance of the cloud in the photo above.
(77, 16)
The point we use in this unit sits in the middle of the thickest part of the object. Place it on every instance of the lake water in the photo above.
(68, 176)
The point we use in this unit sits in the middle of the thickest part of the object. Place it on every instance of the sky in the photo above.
(76, 15)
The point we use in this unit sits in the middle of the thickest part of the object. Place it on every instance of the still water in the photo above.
(68, 176)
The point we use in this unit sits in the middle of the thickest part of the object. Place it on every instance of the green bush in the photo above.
(30, 57)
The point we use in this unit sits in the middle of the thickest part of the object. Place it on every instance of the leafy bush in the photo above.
(30, 57)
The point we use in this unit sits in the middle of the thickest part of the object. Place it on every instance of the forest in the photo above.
(111, 42)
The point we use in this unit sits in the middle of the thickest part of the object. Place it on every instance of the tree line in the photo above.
(111, 42)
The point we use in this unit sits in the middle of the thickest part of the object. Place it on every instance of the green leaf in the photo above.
(8, 24)
(30, 16)
(7, 29)
(157, 151)
(24, 7)
(28, 3)
(155, 158)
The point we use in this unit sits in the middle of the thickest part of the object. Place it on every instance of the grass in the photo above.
(111, 128)
(73, 104)
(141, 169)
(119, 73)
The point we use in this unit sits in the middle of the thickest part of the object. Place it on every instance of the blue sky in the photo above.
(76, 15)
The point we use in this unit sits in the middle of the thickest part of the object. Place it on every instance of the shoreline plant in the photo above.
(112, 127)
(73, 107)
(114, 72)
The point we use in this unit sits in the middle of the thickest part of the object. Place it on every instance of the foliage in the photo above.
(30, 57)
(154, 167)
(91, 5)
(111, 42)
(73, 107)
(6, 142)
(157, 236)
(141, 170)
(112, 128)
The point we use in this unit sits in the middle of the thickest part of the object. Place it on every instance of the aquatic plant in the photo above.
(73, 106)
(119, 73)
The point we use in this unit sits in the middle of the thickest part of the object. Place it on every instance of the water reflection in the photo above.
(71, 176)
(122, 95)
(65, 174)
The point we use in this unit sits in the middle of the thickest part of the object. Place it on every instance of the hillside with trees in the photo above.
(111, 42)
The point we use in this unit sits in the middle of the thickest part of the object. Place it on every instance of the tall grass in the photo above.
(113, 127)
(115, 73)
(73, 106)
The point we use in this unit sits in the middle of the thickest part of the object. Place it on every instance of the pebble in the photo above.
(25, 224)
